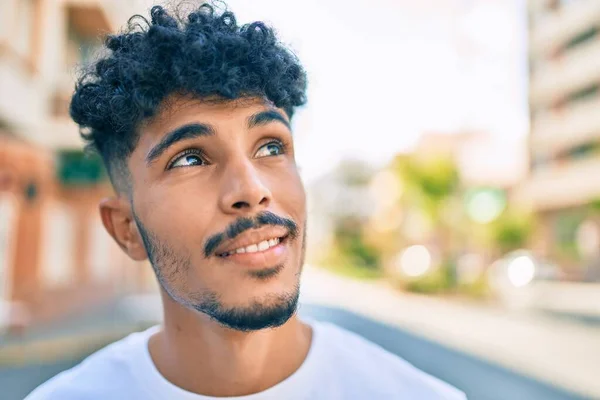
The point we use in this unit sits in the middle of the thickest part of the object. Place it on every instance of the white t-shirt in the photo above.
(339, 365)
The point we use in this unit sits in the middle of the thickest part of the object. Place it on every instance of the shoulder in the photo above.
(89, 380)
(368, 366)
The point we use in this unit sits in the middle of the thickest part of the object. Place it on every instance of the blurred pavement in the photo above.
(557, 351)
(481, 380)
(488, 353)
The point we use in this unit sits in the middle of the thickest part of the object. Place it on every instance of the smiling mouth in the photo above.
(259, 247)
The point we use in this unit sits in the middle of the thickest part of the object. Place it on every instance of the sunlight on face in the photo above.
(221, 208)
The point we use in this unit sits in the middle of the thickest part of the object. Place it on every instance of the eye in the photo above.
(274, 148)
(188, 158)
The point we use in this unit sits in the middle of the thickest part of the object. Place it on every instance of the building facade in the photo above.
(55, 257)
(564, 98)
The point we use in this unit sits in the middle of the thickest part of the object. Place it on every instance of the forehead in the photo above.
(178, 110)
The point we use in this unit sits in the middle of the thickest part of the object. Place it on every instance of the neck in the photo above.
(201, 356)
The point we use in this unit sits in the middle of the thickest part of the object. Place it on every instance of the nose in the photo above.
(243, 190)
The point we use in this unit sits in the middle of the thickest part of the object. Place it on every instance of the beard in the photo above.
(171, 269)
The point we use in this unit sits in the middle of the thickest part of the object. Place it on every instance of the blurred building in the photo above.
(564, 98)
(481, 159)
(341, 194)
(55, 257)
(354, 191)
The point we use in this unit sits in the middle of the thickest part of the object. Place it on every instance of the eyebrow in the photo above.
(185, 132)
(267, 117)
(192, 131)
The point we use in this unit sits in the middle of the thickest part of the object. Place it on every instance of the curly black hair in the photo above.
(204, 54)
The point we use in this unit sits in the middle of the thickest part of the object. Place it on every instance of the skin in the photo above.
(177, 204)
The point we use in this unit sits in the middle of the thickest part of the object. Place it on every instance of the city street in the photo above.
(488, 353)
(479, 379)
(426, 177)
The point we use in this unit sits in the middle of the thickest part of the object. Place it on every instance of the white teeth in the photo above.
(253, 248)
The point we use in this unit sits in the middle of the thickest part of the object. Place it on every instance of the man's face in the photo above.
(220, 206)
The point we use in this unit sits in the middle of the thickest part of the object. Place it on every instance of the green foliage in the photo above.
(340, 263)
(511, 231)
(595, 206)
(568, 250)
(430, 183)
(439, 179)
(350, 255)
(349, 240)
(477, 290)
(438, 281)
(566, 226)
(436, 179)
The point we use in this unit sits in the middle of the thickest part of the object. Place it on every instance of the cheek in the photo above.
(289, 193)
(180, 213)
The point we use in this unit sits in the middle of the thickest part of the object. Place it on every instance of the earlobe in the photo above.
(118, 221)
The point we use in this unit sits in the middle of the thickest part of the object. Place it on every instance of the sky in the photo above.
(382, 72)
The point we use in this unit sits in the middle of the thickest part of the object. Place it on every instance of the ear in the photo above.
(118, 221)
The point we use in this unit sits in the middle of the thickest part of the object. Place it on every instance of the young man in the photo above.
(192, 118)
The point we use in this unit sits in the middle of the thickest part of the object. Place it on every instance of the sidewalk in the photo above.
(562, 353)
(74, 336)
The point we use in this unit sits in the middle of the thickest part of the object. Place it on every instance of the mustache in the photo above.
(243, 224)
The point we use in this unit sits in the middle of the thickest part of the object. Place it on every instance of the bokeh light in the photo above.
(484, 206)
(415, 261)
(521, 271)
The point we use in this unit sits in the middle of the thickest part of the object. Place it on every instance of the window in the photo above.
(7, 220)
(19, 30)
(99, 254)
(76, 168)
(589, 92)
(584, 151)
(24, 28)
(580, 152)
(586, 36)
(59, 245)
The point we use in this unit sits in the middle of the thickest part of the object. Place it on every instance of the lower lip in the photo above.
(267, 258)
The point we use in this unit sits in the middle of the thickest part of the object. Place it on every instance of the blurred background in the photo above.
(449, 150)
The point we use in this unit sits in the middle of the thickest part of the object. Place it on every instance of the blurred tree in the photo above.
(430, 183)
(432, 189)
(349, 239)
(350, 254)
(511, 231)
(594, 206)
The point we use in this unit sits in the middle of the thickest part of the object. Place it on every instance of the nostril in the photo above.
(240, 204)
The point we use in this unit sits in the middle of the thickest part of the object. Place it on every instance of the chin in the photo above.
(262, 311)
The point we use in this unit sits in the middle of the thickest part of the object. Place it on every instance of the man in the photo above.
(192, 118)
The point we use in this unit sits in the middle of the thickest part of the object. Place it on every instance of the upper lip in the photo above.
(252, 236)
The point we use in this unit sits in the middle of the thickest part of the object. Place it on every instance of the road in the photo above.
(481, 380)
